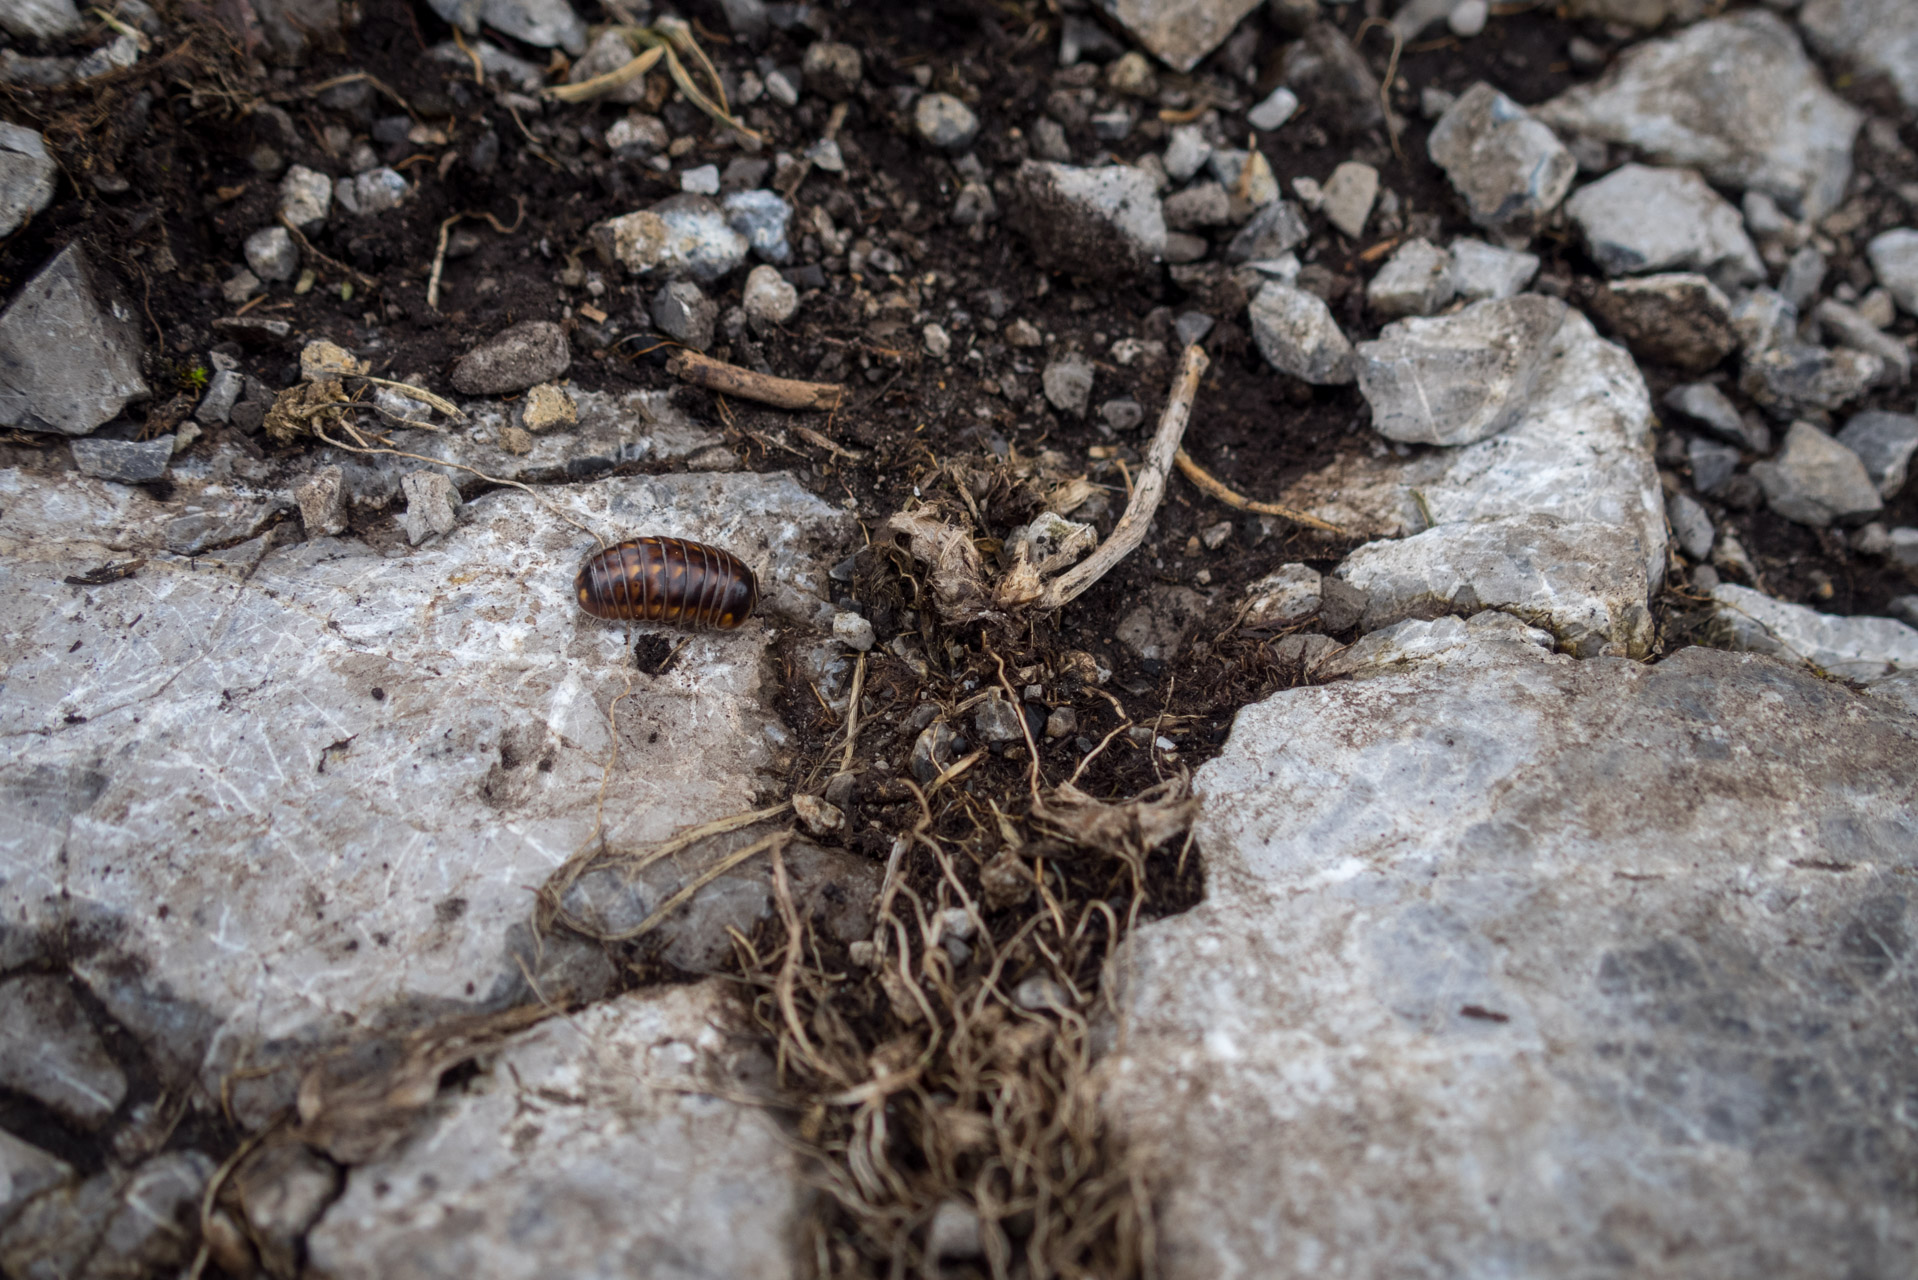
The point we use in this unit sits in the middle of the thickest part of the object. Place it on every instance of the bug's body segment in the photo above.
(667, 580)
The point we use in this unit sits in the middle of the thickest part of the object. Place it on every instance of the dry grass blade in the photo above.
(679, 38)
(954, 1078)
(601, 85)
(438, 402)
(685, 895)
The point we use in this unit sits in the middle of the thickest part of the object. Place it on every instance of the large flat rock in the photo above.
(1583, 582)
(1851, 648)
(1512, 964)
(585, 1148)
(265, 799)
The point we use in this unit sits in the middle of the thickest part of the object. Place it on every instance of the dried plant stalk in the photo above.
(729, 379)
(1147, 493)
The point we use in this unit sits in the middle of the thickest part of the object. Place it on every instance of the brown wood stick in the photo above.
(729, 379)
(1216, 488)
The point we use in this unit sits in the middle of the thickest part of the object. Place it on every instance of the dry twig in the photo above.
(729, 379)
(1146, 493)
(1218, 489)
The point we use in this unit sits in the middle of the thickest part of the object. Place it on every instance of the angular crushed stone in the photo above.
(1734, 97)
(1850, 648)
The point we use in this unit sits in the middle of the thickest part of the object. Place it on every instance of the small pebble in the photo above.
(944, 121)
(782, 87)
(1584, 55)
(1280, 105)
(1038, 994)
(1877, 309)
(957, 922)
(1467, 19)
(769, 297)
(547, 407)
(831, 69)
(1068, 383)
(1132, 75)
(825, 154)
(853, 631)
(1123, 414)
(242, 286)
(703, 181)
(1192, 327)
(938, 341)
(272, 255)
(817, 816)
(955, 1232)
(1186, 153)
(1435, 102)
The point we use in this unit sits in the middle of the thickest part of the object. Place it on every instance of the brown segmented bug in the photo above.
(667, 580)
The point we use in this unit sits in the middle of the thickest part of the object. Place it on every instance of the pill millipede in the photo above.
(667, 580)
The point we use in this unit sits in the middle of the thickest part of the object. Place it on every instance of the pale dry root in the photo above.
(964, 591)
(951, 1077)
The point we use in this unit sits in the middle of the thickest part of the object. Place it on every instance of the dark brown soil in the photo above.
(182, 127)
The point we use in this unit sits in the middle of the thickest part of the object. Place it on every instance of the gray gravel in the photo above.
(1817, 481)
(530, 352)
(1297, 335)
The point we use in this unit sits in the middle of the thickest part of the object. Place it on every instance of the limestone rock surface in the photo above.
(1851, 648)
(1580, 452)
(1297, 335)
(272, 798)
(1179, 32)
(586, 1148)
(1638, 219)
(1584, 582)
(1509, 956)
(1875, 38)
(69, 352)
(1510, 169)
(1460, 378)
